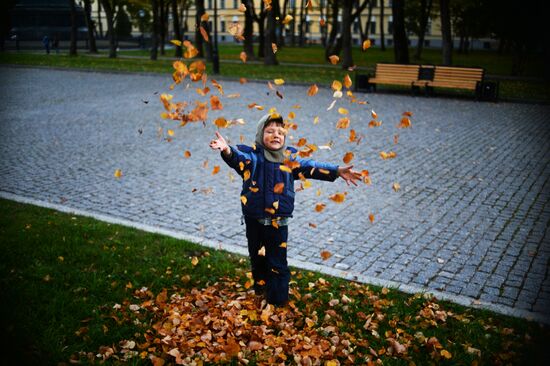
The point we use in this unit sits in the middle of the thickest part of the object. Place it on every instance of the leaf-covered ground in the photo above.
(76, 290)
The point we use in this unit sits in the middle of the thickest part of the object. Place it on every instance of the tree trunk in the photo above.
(248, 43)
(382, 32)
(199, 42)
(109, 13)
(447, 46)
(269, 56)
(72, 49)
(162, 25)
(330, 48)
(302, 20)
(426, 9)
(401, 46)
(99, 22)
(293, 26)
(322, 29)
(347, 58)
(155, 32)
(282, 33)
(90, 24)
(369, 16)
(177, 29)
(261, 31)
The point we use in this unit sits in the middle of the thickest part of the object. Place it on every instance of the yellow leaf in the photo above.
(284, 168)
(242, 56)
(287, 19)
(170, 132)
(204, 17)
(283, 244)
(279, 81)
(118, 173)
(338, 197)
(276, 205)
(243, 200)
(396, 187)
(176, 42)
(446, 354)
(316, 120)
(246, 175)
(336, 85)
(262, 251)
(366, 44)
(194, 261)
(343, 111)
(347, 81)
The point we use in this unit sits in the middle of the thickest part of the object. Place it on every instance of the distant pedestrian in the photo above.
(46, 43)
(268, 199)
(55, 43)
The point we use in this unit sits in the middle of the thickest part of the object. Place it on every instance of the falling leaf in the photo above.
(325, 254)
(371, 218)
(408, 114)
(395, 139)
(204, 17)
(276, 205)
(170, 132)
(278, 188)
(352, 136)
(242, 56)
(446, 354)
(243, 200)
(334, 59)
(336, 85)
(243, 81)
(236, 30)
(283, 244)
(343, 123)
(396, 187)
(312, 225)
(176, 42)
(347, 81)
(312, 90)
(288, 18)
(284, 168)
(348, 157)
(215, 103)
(261, 252)
(331, 105)
(374, 123)
(279, 81)
(216, 170)
(246, 175)
(242, 8)
(384, 155)
(204, 34)
(320, 207)
(405, 123)
(118, 173)
(338, 197)
(187, 154)
(274, 47)
(343, 111)
(221, 122)
(316, 120)
(194, 261)
(373, 114)
(366, 44)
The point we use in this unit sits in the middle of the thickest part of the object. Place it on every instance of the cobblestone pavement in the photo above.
(470, 221)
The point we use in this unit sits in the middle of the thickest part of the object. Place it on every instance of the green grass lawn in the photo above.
(68, 284)
(296, 67)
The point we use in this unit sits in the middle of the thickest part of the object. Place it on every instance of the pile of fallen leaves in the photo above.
(224, 323)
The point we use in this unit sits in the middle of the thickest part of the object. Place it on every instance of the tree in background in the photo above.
(469, 21)
(72, 48)
(155, 30)
(447, 40)
(199, 42)
(123, 26)
(417, 15)
(108, 7)
(400, 41)
(248, 33)
(270, 34)
(90, 24)
(348, 18)
(176, 24)
(382, 31)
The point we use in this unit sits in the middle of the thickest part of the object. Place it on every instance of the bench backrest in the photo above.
(457, 74)
(396, 71)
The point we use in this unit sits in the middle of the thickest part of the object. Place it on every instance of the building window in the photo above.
(222, 4)
(390, 26)
(373, 27)
(356, 27)
(235, 4)
(209, 4)
(429, 27)
(222, 26)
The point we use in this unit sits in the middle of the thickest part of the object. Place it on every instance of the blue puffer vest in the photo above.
(261, 177)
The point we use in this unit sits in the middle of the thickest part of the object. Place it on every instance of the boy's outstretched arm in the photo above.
(220, 144)
(349, 175)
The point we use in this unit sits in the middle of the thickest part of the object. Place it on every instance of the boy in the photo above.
(268, 199)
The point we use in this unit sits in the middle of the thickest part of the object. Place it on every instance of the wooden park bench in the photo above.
(394, 74)
(468, 78)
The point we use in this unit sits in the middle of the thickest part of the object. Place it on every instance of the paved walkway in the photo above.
(469, 224)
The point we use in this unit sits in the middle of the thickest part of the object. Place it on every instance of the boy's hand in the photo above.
(349, 175)
(220, 144)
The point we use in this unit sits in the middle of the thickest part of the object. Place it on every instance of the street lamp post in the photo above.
(141, 14)
(215, 55)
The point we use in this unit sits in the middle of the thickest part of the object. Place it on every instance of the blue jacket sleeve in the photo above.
(316, 170)
(235, 158)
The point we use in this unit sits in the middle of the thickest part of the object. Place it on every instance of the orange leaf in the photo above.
(283, 244)
(338, 197)
(334, 59)
(347, 81)
(243, 81)
(301, 142)
(396, 187)
(408, 114)
(254, 189)
(373, 114)
(242, 8)
(312, 90)
(405, 123)
(246, 175)
(343, 123)
(336, 85)
(270, 210)
(348, 157)
(322, 22)
(236, 30)
(325, 254)
(288, 18)
(216, 170)
(204, 17)
(215, 103)
(204, 33)
(374, 123)
(274, 47)
(118, 173)
(242, 56)
(352, 135)
(221, 122)
(243, 200)
(371, 218)
(312, 225)
(278, 189)
(187, 154)
(320, 207)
